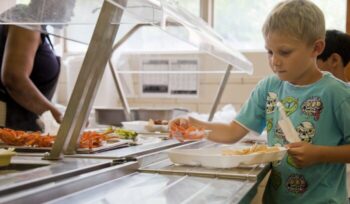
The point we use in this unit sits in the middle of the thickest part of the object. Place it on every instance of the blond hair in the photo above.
(300, 19)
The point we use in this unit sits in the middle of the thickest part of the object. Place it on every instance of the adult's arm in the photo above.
(18, 60)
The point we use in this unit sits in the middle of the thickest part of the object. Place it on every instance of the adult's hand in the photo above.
(56, 114)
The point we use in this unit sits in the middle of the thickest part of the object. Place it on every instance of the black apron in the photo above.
(46, 69)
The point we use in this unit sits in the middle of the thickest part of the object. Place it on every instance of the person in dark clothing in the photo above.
(29, 72)
(336, 55)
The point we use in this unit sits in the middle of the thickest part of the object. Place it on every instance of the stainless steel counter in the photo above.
(81, 180)
(156, 188)
(30, 171)
(132, 151)
(144, 186)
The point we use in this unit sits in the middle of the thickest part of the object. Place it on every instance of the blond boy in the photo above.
(313, 171)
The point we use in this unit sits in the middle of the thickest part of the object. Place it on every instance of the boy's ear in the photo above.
(335, 60)
(319, 46)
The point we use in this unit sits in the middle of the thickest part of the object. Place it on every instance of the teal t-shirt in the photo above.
(320, 112)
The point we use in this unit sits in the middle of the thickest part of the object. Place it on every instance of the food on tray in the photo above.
(157, 126)
(214, 158)
(92, 139)
(21, 138)
(125, 134)
(157, 122)
(183, 131)
(89, 139)
(250, 150)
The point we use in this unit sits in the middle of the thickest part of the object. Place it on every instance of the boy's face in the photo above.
(291, 59)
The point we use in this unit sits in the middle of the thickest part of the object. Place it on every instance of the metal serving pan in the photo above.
(114, 116)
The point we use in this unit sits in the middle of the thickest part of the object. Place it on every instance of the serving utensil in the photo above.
(286, 125)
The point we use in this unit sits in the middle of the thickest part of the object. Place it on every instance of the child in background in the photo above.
(336, 55)
(317, 103)
(335, 59)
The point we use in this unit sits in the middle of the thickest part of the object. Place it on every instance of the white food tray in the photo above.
(137, 126)
(144, 126)
(213, 157)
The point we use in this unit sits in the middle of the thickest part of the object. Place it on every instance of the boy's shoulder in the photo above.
(328, 85)
(334, 84)
(328, 81)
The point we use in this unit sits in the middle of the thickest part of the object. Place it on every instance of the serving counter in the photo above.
(27, 172)
(131, 179)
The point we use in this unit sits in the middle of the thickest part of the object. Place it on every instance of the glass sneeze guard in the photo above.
(113, 14)
(163, 14)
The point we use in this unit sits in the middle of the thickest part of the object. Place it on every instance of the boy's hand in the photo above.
(184, 129)
(304, 154)
(177, 122)
(183, 122)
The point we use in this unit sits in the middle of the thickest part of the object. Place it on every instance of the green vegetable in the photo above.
(125, 134)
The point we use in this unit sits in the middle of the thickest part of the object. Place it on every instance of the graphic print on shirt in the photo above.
(290, 105)
(276, 179)
(271, 102)
(296, 183)
(290, 162)
(306, 131)
(279, 135)
(312, 107)
(269, 125)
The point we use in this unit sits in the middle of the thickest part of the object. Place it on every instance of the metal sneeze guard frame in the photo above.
(90, 76)
(88, 80)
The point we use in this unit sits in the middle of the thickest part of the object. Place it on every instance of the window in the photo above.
(240, 21)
